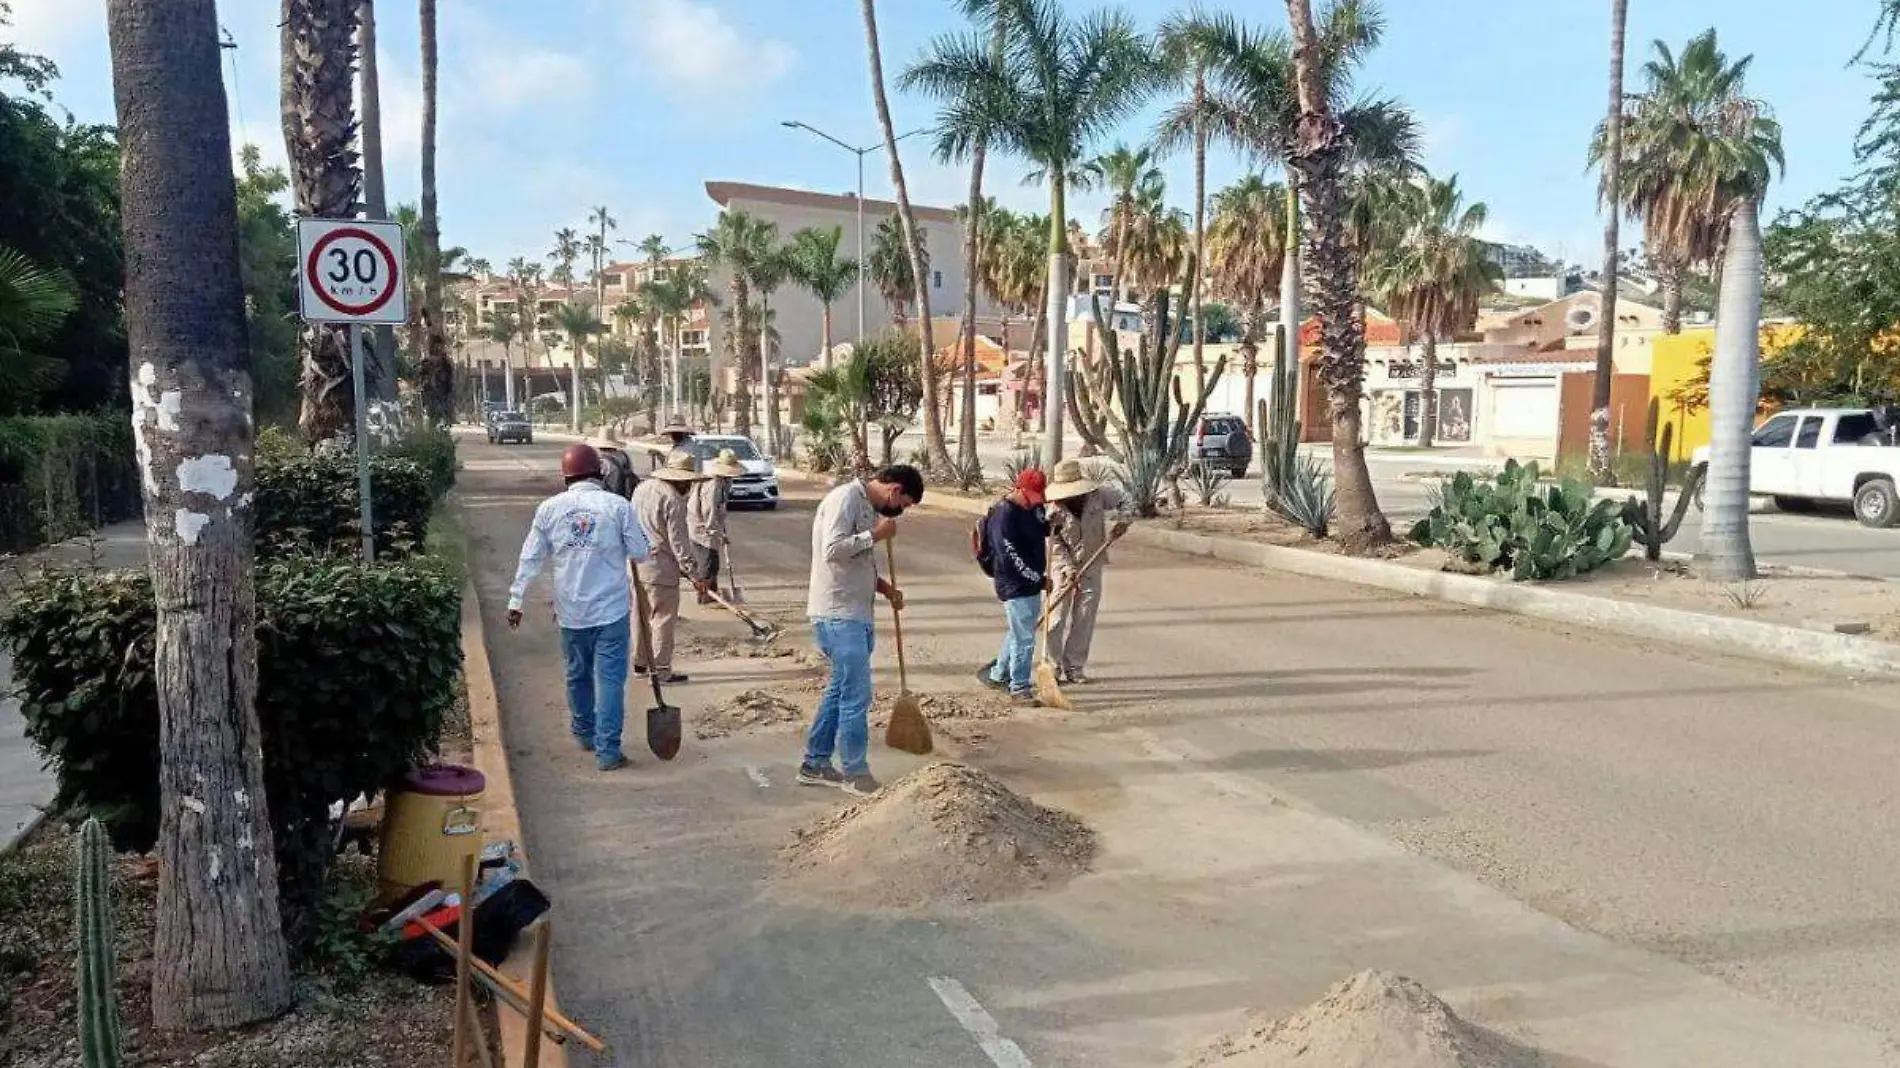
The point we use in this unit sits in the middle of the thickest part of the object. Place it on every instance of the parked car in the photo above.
(758, 486)
(1828, 455)
(1221, 441)
(505, 427)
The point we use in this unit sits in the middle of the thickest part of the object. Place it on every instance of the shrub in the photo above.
(307, 503)
(63, 475)
(1512, 523)
(433, 450)
(1209, 485)
(356, 667)
(1305, 495)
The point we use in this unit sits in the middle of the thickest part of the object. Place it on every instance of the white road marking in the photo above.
(757, 775)
(982, 1026)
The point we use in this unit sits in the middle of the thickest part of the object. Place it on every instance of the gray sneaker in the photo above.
(862, 786)
(815, 775)
(983, 676)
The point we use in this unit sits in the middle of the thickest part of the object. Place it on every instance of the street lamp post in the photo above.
(860, 153)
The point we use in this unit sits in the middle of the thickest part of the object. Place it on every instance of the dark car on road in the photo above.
(1222, 442)
(504, 427)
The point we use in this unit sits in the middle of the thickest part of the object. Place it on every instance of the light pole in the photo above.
(863, 267)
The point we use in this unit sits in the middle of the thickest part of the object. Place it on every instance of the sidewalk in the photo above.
(25, 786)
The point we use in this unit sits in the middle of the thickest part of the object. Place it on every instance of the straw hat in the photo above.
(604, 439)
(1070, 481)
(726, 465)
(680, 467)
(675, 425)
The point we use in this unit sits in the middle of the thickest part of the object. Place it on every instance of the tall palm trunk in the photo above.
(1200, 231)
(1428, 392)
(1600, 468)
(438, 377)
(1290, 311)
(1725, 554)
(317, 106)
(219, 958)
(1056, 310)
(575, 396)
(508, 370)
(1250, 364)
(1033, 365)
(381, 375)
(824, 319)
(1672, 278)
(742, 340)
(768, 392)
(936, 455)
(972, 252)
(1319, 155)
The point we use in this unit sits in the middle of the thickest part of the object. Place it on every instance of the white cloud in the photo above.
(511, 80)
(692, 47)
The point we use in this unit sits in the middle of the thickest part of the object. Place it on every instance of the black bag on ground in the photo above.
(499, 921)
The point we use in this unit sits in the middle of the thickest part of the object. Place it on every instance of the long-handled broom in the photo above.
(909, 731)
(1048, 687)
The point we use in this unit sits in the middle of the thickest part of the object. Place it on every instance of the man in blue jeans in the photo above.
(594, 539)
(1017, 538)
(846, 579)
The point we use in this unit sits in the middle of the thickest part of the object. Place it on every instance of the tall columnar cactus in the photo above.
(98, 972)
(1645, 516)
(1278, 419)
(1135, 392)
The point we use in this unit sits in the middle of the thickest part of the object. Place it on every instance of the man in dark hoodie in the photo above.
(1017, 536)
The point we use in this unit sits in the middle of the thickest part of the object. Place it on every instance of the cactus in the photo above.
(1645, 516)
(1279, 426)
(98, 971)
(1136, 393)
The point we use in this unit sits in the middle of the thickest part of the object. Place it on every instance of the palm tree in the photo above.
(1247, 247)
(381, 372)
(439, 373)
(1058, 85)
(597, 248)
(1130, 178)
(1193, 45)
(816, 266)
(525, 279)
(478, 267)
(739, 243)
(319, 123)
(219, 958)
(771, 271)
(567, 249)
(503, 328)
(1613, 199)
(1436, 277)
(579, 321)
(936, 455)
(890, 269)
(653, 247)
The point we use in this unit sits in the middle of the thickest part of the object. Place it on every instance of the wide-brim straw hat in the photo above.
(680, 467)
(605, 439)
(726, 465)
(1069, 481)
(675, 425)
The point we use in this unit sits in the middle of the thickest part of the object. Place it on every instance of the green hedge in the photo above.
(63, 475)
(356, 668)
(308, 504)
(432, 449)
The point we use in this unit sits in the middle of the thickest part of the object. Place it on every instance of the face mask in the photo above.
(889, 511)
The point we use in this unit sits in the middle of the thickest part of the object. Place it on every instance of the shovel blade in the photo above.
(663, 731)
(908, 731)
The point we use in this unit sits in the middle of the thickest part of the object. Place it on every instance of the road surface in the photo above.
(1629, 856)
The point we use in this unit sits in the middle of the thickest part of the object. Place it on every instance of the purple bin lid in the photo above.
(444, 780)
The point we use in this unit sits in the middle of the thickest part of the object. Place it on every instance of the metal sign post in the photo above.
(351, 271)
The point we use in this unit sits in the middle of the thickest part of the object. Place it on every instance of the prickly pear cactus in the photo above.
(98, 972)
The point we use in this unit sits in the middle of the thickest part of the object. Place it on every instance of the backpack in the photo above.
(616, 474)
(980, 543)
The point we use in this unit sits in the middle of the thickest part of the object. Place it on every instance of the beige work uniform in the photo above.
(1073, 539)
(662, 513)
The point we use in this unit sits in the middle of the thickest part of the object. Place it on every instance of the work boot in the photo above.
(862, 786)
(1076, 676)
(585, 741)
(819, 775)
(983, 676)
(614, 763)
(1026, 699)
(669, 677)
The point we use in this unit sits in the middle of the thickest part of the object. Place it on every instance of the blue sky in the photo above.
(552, 107)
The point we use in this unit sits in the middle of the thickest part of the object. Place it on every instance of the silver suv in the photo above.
(1221, 441)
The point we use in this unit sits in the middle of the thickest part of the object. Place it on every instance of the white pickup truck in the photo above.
(1840, 455)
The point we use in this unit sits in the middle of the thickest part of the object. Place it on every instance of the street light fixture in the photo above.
(860, 153)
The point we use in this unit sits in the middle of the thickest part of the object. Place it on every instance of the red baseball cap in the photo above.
(1032, 483)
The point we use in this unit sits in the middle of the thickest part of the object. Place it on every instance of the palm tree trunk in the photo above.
(508, 370)
(1319, 155)
(1200, 232)
(576, 397)
(438, 377)
(1428, 392)
(1057, 313)
(1250, 365)
(1672, 276)
(219, 958)
(1725, 554)
(382, 376)
(741, 345)
(972, 241)
(1600, 469)
(936, 455)
(1033, 362)
(1290, 310)
(825, 320)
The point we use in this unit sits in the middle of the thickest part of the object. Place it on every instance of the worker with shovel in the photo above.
(845, 584)
(593, 536)
(1015, 540)
(706, 517)
(660, 503)
(1078, 531)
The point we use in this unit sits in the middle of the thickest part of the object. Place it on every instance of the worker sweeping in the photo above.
(846, 581)
(706, 518)
(677, 432)
(1014, 548)
(1079, 508)
(660, 503)
(593, 536)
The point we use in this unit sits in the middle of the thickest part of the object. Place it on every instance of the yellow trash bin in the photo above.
(432, 822)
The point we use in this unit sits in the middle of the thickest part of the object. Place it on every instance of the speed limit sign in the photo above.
(351, 271)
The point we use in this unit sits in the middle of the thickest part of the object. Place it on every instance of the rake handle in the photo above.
(897, 617)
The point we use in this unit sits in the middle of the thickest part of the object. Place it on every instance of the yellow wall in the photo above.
(1676, 364)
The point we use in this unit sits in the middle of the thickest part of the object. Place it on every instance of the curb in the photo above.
(1772, 642)
(499, 814)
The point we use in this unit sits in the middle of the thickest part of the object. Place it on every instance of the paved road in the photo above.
(1829, 541)
(1629, 856)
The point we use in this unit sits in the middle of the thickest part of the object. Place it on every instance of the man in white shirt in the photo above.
(594, 538)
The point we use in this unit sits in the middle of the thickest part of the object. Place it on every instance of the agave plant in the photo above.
(1209, 485)
(1305, 496)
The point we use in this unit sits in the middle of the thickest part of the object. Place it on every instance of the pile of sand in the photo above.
(751, 710)
(945, 833)
(1372, 1020)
